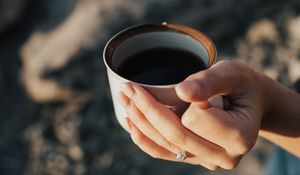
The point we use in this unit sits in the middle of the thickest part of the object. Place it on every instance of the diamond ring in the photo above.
(181, 156)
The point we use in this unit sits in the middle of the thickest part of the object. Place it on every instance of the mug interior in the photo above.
(167, 39)
(149, 36)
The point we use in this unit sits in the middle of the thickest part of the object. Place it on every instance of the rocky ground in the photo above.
(56, 115)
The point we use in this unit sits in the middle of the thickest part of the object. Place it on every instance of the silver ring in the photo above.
(181, 156)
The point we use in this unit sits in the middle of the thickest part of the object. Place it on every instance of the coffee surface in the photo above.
(160, 66)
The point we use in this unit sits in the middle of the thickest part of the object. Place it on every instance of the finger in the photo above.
(169, 125)
(220, 127)
(213, 81)
(138, 118)
(156, 151)
(145, 127)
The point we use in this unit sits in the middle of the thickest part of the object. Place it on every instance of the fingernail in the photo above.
(127, 89)
(184, 120)
(124, 101)
(186, 85)
(186, 90)
(125, 122)
(129, 123)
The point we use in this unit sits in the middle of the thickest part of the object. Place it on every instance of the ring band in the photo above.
(181, 156)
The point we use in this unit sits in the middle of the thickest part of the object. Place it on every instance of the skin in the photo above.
(213, 137)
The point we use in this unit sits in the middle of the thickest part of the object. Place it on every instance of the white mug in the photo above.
(155, 35)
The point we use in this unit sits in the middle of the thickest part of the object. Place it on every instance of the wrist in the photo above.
(271, 92)
(281, 108)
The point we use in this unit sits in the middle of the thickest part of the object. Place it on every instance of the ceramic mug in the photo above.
(155, 35)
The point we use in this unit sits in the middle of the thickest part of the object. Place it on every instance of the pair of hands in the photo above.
(212, 137)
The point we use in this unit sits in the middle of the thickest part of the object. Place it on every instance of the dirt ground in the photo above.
(56, 114)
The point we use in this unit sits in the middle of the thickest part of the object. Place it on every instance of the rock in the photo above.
(294, 70)
(294, 32)
(79, 169)
(75, 152)
(37, 145)
(52, 50)
(56, 164)
(263, 30)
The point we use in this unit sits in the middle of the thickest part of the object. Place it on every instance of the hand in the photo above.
(211, 136)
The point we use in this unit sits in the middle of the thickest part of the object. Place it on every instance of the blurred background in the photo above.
(56, 114)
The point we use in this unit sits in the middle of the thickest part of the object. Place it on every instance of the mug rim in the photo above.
(156, 27)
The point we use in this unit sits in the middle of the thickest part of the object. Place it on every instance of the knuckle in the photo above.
(206, 82)
(192, 94)
(188, 121)
(130, 113)
(223, 61)
(135, 99)
(213, 167)
(138, 97)
(135, 94)
(229, 165)
(147, 109)
(204, 77)
(245, 146)
(200, 84)
(228, 63)
(243, 71)
(242, 143)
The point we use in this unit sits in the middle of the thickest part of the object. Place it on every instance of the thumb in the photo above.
(220, 79)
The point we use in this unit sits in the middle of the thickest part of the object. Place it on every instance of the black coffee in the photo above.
(160, 66)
